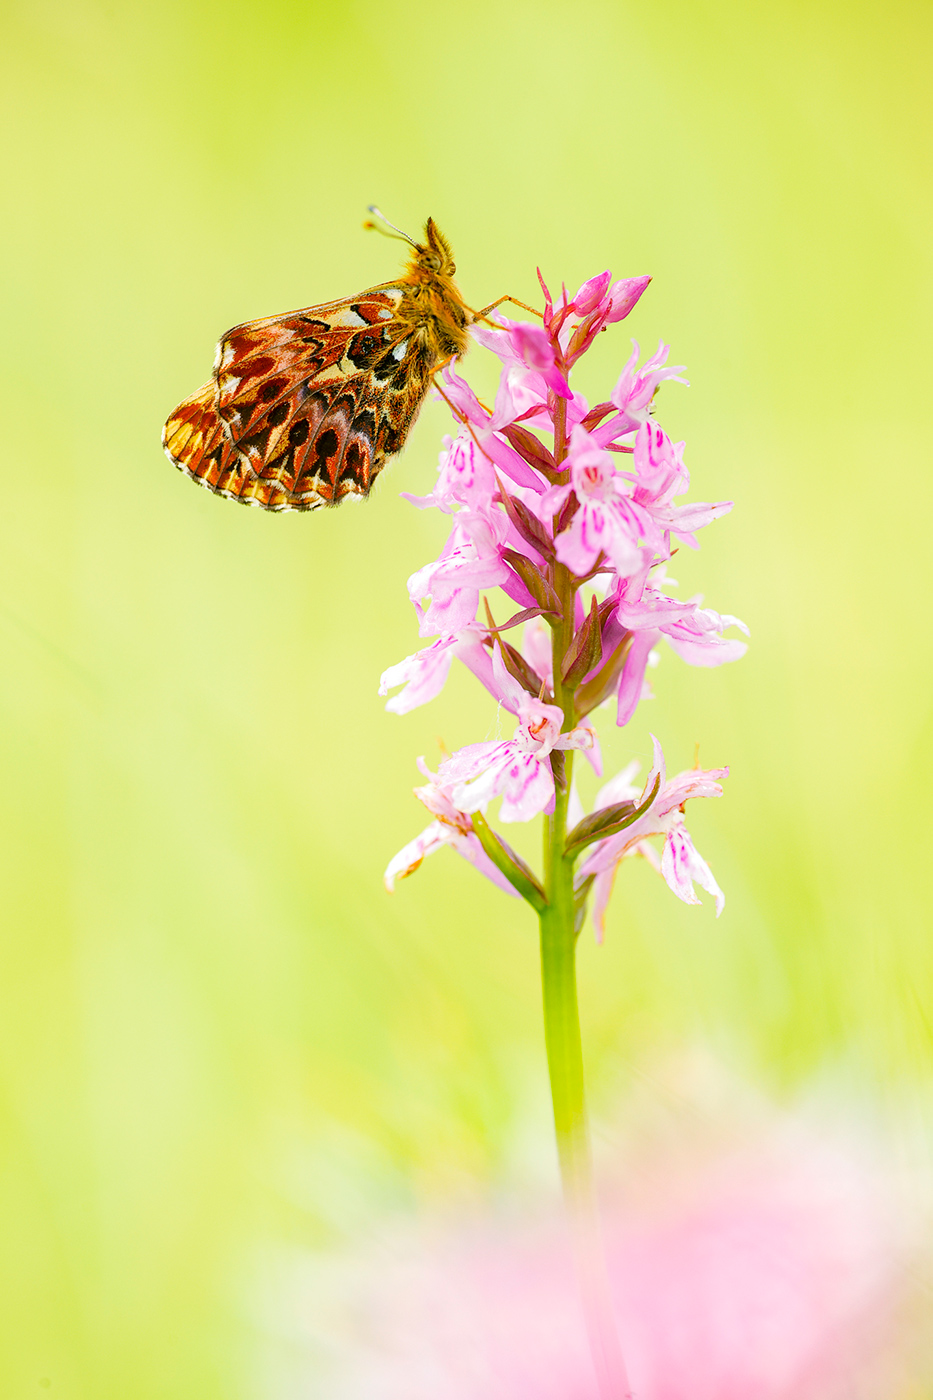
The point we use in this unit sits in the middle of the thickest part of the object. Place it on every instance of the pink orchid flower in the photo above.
(525, 349)
(680, 863)
(591, 294)
(593, 307)
(660, 475)
(451, 827)
(481, 426)
(540, 508)
(516, 769)
(615, 302)
(694, 633)
(471, 560)
(466, 476)
(624, 295)
(634, 391)
(636, 387)
(658, 469)
(424, 674)
(608, 521)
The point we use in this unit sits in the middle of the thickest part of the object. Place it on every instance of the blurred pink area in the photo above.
(762, 1265)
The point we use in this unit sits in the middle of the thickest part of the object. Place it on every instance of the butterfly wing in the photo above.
(196, 440)
(305, 408)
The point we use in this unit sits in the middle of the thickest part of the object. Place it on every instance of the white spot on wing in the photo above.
(399, 352)
(385, 314)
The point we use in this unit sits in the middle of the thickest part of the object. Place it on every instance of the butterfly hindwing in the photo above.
(199, 445)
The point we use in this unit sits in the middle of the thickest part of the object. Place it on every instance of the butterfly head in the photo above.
(432, 302)
(434, 255)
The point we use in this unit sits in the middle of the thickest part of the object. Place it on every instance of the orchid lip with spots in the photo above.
(547, 493)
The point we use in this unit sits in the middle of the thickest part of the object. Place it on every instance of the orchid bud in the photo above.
(591, 294)
(624, 295)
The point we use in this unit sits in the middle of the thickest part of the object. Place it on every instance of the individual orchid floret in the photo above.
(451, 827)
(698, 640)
(460, 398)
(634, 391)
(607, 522)
(658, 468)
(466, 476)
(424, 674)
(681, 864)
(637, 387)
(471, 560)
(524, 349)
(611, 303)
(624, 295)
(693, 632)
(528, 392)
(518, 769)
(658, 475)
(534, 349)
(591, 295)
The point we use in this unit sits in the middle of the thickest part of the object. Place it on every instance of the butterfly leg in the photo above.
(481, 315)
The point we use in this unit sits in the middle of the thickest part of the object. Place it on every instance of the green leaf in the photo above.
(597, 414)
(586, 649)
(535, 581)
(519, 875)
(607, 821)
(581, 894)
(515, 620)
(518, 668)
(599, 687)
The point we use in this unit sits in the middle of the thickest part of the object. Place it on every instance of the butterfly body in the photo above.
(303, 409)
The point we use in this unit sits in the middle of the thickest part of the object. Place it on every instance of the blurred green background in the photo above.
(219, 1035)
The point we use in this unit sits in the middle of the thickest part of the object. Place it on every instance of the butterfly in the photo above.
(303, 409)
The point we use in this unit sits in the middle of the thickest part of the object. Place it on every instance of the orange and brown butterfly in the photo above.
(303, 409)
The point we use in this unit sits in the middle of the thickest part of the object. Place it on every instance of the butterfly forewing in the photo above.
(260, 363)
(291, 391)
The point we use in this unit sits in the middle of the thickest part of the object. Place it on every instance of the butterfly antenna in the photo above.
(398, 232)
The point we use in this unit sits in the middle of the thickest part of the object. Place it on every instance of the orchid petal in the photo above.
(527, 787)
(423, 675)
(633, 674)
(682, 864)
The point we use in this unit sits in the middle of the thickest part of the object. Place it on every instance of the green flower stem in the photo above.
(562, 1027)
